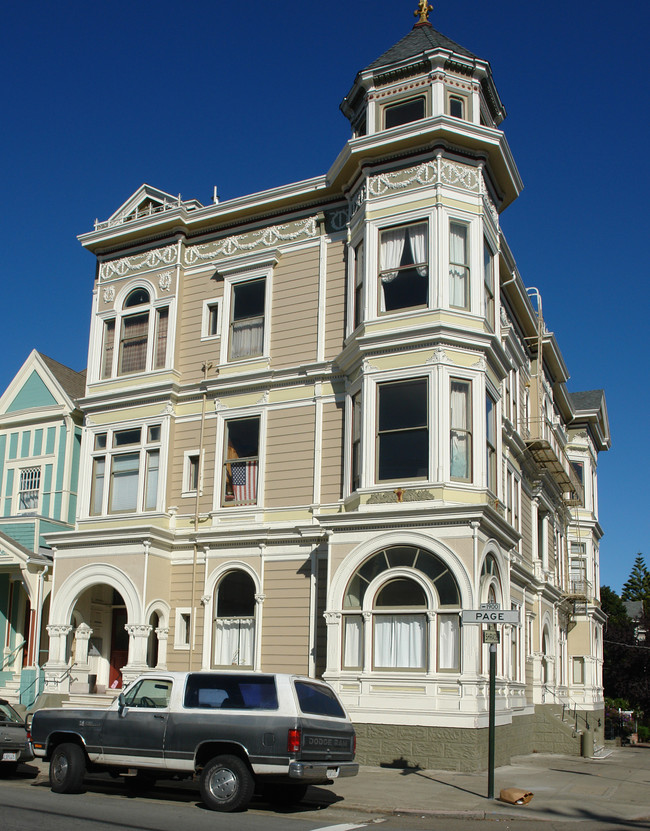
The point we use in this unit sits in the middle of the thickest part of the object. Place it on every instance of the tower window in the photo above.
(412, 109)
(456, 106)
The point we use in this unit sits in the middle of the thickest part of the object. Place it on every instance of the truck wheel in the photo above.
(226, 784)
(284, 794)
(67, 769)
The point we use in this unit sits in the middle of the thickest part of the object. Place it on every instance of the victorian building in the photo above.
(324, 419)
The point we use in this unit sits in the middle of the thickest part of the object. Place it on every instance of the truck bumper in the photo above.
(322, 771)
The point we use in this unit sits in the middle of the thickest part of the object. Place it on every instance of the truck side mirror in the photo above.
(121, 705)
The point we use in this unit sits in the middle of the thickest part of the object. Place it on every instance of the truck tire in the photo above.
(226, 784)
(67, 768)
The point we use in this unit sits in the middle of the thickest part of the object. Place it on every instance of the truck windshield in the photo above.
(230, 692)
(318, 700)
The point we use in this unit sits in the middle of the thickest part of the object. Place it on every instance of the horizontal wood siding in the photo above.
(289, 477)
(285, 633)
(335, 301)
(526, 526)
(186, 437)
(191, 351)
(181, 597)
(294, 308)
(332, 456)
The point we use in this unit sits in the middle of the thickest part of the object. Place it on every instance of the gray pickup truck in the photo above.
(239, 732)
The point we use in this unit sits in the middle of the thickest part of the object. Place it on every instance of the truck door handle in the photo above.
(162, 718)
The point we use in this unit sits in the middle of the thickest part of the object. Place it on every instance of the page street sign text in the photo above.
(490, 616)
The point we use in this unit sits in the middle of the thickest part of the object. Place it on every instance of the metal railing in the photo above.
(570, 707)
(11, 657)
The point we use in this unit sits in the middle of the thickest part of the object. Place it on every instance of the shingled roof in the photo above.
(421, 38)
(74, 383)
(589, 400)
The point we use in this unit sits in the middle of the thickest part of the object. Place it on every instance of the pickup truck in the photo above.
(238, 732)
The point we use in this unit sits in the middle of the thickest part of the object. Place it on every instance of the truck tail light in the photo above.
(293, 741)
(354, 744)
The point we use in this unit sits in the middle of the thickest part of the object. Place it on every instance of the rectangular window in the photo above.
(458, 266)
(460, 433)
(403, 267)
(162, 322)
(404, 112)
(133, 344)
(358, 284)
(491, 442)
(578, 670)
(108, 349)
(133, 475)
(448, 642)
(456, 106)
(211, 320)
(403, 433)
(488, 283)
(183, 631)
(400, 641)
(247, 319)
(241, 462)
(352, 642)
(579, 470)
(28, 488)
(356, 441)
(192, 475)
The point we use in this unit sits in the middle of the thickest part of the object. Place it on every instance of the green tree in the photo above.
(637, 586)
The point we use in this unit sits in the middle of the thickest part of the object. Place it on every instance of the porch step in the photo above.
(10, 690)
(601, 752)
(93, 700)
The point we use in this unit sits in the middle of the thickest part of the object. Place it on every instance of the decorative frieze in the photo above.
(110, 269)
(437, 171)
(253, 240)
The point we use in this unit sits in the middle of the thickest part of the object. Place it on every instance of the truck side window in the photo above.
(150, 693)
(230, 692)
(318, 700)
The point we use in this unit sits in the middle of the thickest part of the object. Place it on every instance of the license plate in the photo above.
(332, 773)
(11, 757)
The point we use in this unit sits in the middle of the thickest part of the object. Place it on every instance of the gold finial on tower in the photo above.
(423, 12)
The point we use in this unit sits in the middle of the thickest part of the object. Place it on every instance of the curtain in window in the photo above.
(399, 641)
(124, 485)
(151, 495)
(390, 255)
(99, 467)
(109, 343)
(134, 344)
(352, 641)
(460, 436)
(161, 338)
(458, 272)
(448, 642)
(418, 238)
(247, 338)
(234, 640)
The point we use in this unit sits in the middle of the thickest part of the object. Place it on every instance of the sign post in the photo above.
(493, 616)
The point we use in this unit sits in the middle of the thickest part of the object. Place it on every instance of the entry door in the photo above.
(119, 648)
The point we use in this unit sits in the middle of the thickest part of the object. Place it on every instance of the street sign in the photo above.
(490, 616)
(491, 606)
(490, 636)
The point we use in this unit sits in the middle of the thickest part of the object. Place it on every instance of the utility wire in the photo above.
(628, 645)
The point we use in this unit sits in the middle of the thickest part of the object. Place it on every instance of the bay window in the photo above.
(402, 430)
(403, 267)
(459, 286)
(491, 443)
(488, 284)
(460, 433)
(125, 471)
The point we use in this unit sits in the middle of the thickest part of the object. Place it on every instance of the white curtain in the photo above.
(390, 256)
(418, 238)
(124, 485)
(247, 338)
(458, 273)
(448, 642)
(400, 641)
(233, 642)
(460, 437)
(353, 641)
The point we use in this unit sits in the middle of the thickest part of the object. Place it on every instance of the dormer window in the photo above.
(413, 109)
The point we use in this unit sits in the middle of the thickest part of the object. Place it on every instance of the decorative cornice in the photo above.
(151, 259)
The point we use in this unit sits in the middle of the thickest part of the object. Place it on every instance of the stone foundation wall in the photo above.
(452, 748)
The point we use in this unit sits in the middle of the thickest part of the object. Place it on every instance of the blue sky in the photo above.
(99, 97)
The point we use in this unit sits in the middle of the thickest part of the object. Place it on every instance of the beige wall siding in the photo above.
(294, 308)
(332, 456)
(526, 525)
(285, 635)
(335, 317)
(289, 477)
(191, 351)
(186, 438)
(181, 597)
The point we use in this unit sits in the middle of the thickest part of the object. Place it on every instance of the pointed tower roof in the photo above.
(421, 39)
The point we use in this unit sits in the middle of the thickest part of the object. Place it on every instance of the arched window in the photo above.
(142, 344)
(234, 623)
(152, 641)
(411, 613)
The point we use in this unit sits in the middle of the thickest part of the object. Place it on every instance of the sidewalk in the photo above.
(615, 788)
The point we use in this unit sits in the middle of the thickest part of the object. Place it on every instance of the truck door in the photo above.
(135, 736)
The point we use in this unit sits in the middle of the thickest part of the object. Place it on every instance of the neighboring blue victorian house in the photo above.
(40, 439)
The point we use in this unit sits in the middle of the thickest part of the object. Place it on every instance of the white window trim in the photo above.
(187, 456)
(242, 274)
(208, 305)
(253, 412)
(180, 628)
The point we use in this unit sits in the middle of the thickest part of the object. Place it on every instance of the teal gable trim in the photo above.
(13, 446)
(3, 448)
(38, 441)
(60, 469)
(74, 475)
(51, 437)
(25, 442)
(33, 394)
(23, 534)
